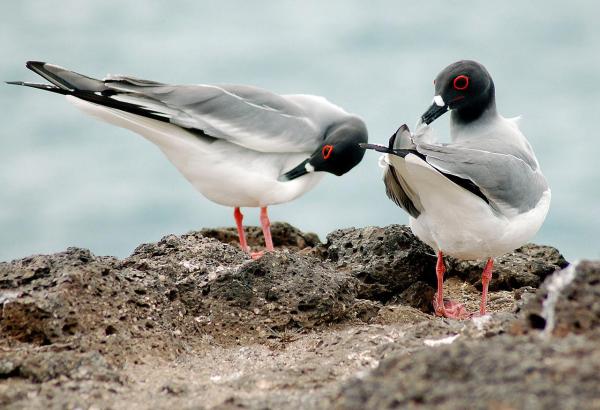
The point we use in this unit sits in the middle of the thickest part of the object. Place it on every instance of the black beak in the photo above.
(296, 172)
(434, 112)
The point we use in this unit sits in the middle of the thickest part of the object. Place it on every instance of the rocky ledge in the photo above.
(192, 322)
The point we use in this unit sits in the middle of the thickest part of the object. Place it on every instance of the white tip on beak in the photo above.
(309, 168)
(438, 100)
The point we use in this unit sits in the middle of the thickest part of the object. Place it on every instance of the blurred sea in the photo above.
(69, 180)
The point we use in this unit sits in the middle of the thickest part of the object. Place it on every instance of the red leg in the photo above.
(486, 277)
(440, 269)
(237, 214)
(441, 307)
(266, 228)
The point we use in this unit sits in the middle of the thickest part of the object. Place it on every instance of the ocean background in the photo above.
(70, 180)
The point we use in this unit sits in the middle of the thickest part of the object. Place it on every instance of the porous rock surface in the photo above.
(546, 356)
(193, 322)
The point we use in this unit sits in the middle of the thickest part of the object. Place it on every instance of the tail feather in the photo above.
(387, 150)
(89, 89)
(378, 148)
(46, 87)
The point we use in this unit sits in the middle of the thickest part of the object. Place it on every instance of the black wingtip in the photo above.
(37, 67)
(33, 65)
(392, 140)
(15, 82)
(50, 74)
(401, 130)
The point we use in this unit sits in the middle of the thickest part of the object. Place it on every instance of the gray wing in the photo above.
(248, 116)
(396, 187)
(503, 178)
(397, 190)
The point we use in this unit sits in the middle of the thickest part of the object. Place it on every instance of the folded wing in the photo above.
(396, 186)
(247, 116)
(503, 178)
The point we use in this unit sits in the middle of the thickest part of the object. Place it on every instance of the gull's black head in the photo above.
(339, 152)
(465, 87)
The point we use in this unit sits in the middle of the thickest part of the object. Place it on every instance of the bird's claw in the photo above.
(451, 310)
(257, 255)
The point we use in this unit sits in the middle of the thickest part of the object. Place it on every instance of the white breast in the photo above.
(461, 224)
(234, 176)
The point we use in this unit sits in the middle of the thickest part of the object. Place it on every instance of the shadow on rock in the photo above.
(277, 292)
(284, 235)
(387, 262)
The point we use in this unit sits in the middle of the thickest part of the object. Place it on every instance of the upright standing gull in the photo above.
(240, 146)
(478, 197)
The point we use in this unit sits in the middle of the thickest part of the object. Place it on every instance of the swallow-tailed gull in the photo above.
(481, 195)
(240, 146)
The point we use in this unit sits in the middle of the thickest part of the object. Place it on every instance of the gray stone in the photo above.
(528, 265)
(500, 373)
(193, 322)
(386, 260)
(568, 302)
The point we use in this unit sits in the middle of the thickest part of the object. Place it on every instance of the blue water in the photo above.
(69, 180)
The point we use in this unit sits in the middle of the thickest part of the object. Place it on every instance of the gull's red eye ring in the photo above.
(461, 83)
(326, 151)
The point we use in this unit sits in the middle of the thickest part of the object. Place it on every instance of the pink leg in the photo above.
(266, 228)
(447, 308)
(237, 214)
(486, 277)
(438, 301)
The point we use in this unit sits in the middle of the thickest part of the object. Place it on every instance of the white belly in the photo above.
(478, 233)
(248, 181)
(223, 172)
(462, 225)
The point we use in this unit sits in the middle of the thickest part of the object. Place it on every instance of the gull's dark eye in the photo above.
(326, 151)
(461, 82)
